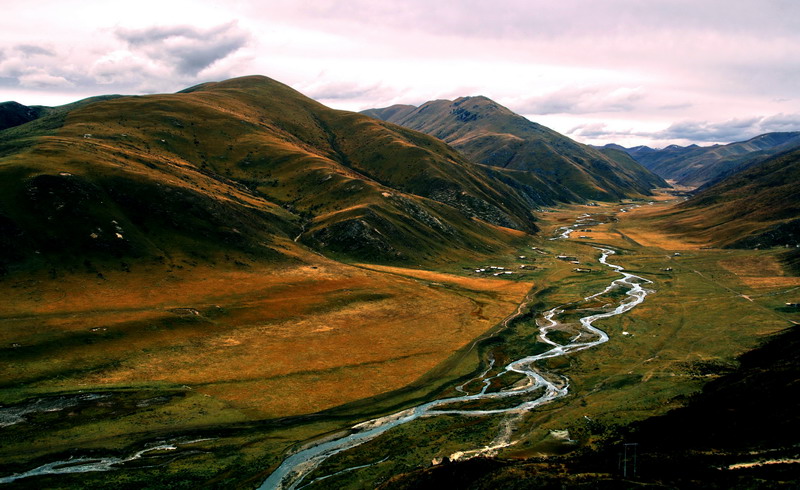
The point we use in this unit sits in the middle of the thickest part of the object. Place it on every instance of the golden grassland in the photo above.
(651, 234)
(273, 342)
(761, 271)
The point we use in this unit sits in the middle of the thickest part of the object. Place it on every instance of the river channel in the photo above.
(293, 471)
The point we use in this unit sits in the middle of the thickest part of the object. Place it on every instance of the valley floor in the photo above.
(168, 349)
(234, 367)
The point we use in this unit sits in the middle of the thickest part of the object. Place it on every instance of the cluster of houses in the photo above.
(495, 270)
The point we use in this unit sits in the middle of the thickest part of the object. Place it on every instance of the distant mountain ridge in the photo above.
(490, 134)
(705, 165)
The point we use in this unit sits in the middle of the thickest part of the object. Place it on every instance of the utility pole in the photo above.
(625, 461)
(635, 446)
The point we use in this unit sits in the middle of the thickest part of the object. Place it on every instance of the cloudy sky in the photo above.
(628, 71)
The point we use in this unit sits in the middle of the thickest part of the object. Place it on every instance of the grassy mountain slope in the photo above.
(757, 207)
(491, 134)
(697, 165)
(248, 166)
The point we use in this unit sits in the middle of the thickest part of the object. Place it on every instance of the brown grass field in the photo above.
(760, 272)
(650, 234)
(272, 342)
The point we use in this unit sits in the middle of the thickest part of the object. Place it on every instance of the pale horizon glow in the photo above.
(621, 71)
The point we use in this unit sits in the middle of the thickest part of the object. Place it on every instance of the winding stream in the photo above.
(295, 468)
(86, 465)
(291, 473)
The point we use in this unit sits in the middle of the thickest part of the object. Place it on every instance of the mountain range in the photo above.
(253, 167)
(490, 134)
(745, 194)
(754, 208)
(250, 166)
(696, 166)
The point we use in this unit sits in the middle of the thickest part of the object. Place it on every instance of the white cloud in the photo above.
(119, 68)
(584, 100)
(731, 130)
(40, 79)
(687, 132)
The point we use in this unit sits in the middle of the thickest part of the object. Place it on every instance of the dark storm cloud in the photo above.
(782, 122)
(733, 130)
(192, 59)
(189, 49)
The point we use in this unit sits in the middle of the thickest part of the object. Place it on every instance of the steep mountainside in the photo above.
(491, 134)
(698, 165)
(757, 207)
(246, 166)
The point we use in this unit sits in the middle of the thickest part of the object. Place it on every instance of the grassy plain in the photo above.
(203, 347)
